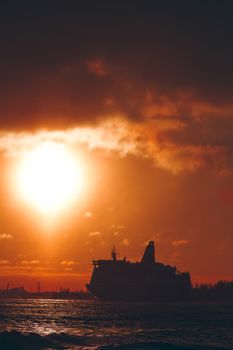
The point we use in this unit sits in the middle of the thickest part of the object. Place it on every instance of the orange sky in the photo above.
(127, 201)
(147, 110)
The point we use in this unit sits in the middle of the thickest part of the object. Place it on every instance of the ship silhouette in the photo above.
(147, 280)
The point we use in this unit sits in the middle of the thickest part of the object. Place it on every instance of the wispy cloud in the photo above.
(4, 262)
(126, 242)
(94, 234)
(180, 242)
(5, 236)
(120, 135)
(30, 262)
(98, 67)
(67, 262)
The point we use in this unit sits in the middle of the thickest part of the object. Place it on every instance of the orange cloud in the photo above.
(4, 262)
(67, 262)
(126, 242)
(94, 234)
(5, 236)
(97, 67)
(88, 215)
(180, 242)
(119, 135)
(30, 262)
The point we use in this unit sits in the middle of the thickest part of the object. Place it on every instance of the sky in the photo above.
(139, 93)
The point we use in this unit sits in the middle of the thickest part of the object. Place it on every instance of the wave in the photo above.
(33, 341)
(10, 340)
(159, 346)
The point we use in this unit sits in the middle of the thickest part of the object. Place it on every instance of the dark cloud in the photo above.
(165, 65)
(161, 46)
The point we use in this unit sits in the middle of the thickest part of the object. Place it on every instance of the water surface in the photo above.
(78, 324)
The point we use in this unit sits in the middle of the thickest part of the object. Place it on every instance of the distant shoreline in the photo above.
(222, 291)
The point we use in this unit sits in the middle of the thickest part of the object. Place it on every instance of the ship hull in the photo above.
(110, 295)
(146, 288)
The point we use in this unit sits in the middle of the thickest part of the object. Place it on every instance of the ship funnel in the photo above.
(149, 254)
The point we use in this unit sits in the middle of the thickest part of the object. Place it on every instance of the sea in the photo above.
(34, 324)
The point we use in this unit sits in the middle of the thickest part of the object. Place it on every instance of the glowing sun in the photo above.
(50, 177)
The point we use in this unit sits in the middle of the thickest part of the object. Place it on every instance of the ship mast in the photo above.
(114, 254)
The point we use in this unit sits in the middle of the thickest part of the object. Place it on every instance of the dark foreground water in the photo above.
(74, 324)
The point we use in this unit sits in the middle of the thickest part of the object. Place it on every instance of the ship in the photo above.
(147, 280)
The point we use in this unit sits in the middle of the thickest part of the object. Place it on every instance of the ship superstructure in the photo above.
(147, 280)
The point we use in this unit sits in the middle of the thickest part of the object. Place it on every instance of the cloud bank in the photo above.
(159, 85)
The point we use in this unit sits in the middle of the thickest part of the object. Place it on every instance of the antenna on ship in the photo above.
(114, 254)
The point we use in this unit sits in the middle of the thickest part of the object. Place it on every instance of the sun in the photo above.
(50, 177)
